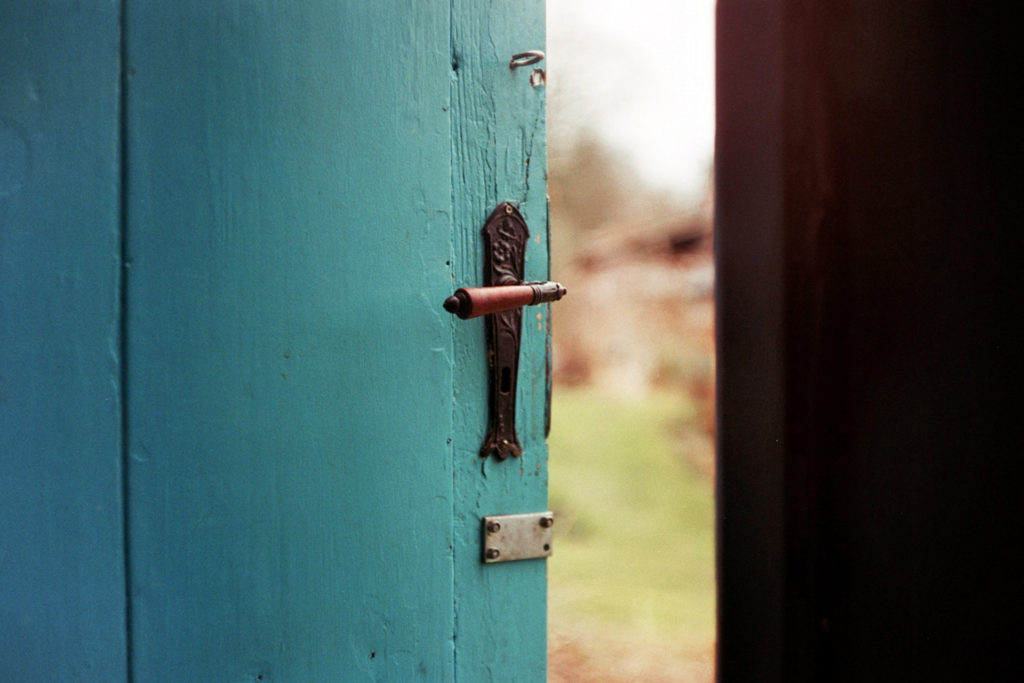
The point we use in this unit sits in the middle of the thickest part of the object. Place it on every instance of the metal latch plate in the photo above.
(517, 537)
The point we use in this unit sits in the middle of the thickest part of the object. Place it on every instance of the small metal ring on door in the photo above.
(525, 59)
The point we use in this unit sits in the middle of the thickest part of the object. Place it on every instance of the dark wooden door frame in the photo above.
(867, 243)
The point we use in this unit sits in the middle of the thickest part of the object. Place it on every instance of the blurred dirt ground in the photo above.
(576, 656)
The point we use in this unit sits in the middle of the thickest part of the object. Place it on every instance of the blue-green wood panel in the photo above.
(62, 602)
(295, 187)
(498, 154)
(289, 245)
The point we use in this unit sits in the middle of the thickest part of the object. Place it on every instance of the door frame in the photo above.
(867, 246)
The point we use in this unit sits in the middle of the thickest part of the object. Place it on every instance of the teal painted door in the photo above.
(269, 388)
(62, 596)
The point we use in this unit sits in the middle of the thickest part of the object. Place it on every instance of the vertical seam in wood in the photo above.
(123, 331)
(453, 228)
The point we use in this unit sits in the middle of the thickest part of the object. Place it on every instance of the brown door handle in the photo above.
(501, 299)
(470, 302)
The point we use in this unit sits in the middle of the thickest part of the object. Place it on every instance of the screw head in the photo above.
(493, 527)
(547, 521)
(509, 208)
(493, 553)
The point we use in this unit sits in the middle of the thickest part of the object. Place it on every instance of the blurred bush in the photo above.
(639, 269)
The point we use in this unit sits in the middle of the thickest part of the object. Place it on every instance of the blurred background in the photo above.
(630, 139)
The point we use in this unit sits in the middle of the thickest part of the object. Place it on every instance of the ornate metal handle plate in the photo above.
(501, 300)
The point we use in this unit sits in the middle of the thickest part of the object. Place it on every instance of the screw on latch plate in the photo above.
(517, 537)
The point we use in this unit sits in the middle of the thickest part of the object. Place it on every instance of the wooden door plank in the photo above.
(499, 154)
(290, 477)
(62, 594)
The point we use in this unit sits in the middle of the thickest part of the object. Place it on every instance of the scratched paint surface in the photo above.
(498, 154)
(290, 391)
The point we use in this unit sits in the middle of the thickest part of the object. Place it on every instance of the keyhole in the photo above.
(506, 380)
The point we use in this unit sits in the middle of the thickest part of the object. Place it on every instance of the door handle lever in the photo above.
(470, 302)
(502, 299)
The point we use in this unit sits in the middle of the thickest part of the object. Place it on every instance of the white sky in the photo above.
(640, 75)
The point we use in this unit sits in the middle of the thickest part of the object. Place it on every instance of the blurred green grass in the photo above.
(634, 532)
